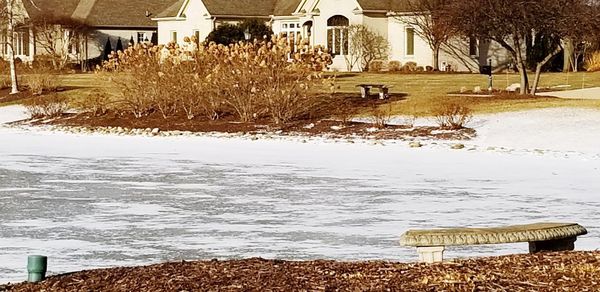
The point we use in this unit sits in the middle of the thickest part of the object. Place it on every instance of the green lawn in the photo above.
(422, 91)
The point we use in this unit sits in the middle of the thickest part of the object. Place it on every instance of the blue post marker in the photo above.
(36, 268)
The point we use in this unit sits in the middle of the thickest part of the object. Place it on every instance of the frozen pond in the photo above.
(97, 201)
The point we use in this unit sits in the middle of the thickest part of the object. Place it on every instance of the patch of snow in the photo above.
(12, 113)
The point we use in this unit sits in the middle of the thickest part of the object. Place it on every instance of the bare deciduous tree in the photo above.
(431, 23)
(364, 46)
(58, 37)
(513, 23)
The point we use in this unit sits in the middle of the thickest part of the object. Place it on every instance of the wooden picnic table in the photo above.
(365, 90)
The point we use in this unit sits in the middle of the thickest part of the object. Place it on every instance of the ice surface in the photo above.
(95, 201)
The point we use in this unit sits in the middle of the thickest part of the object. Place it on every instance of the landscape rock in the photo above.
(458, 146)
(513, 87)
(415, 144)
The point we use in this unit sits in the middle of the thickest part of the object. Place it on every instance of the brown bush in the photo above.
(375, 66)
(411, 65)
(41, 79)
(420, 69)
(394, 66)
(46, 106)
(381, 116)
(250, 80)
(98, 104)
(4, 81)
(592, 62)
(452, 115)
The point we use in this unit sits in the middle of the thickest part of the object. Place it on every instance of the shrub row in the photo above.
(396, 66)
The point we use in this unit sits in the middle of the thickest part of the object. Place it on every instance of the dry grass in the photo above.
(423, 91)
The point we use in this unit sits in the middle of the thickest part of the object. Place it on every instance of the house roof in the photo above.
(240, 7)
(274, 7)
(100, 13)
(286, 7)
(172, 10)
(54, 8)
(386, 5)
(125, 13)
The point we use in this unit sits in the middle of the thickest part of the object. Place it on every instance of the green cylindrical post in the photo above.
(36, 268)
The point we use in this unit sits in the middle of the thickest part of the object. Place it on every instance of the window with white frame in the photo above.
(291, 29)
(337, 35)
(20, 43)
(174, 36)
(410, 41)
(142, 37)
(3, 44)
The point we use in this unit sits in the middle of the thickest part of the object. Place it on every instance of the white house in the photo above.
(108, 20)
(322, 22)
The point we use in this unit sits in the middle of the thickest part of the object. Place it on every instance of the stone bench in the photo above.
(365, 90)
(431, 243)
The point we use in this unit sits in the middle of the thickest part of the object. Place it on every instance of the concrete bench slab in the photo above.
(541, 237)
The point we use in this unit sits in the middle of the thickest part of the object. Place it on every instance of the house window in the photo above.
(307, 30)
(291, 30)
(174, 36)
(410, 41)
(473, 47)
(337, 35)
(197, 36)
(20, 43)
(142, 37)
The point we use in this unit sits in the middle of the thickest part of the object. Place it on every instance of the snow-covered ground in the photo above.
(98, 200)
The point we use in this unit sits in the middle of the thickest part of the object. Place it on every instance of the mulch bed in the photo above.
(315, 127)
(566, 271)
(5, 95)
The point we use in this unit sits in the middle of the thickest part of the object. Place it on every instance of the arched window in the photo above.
(337, 35)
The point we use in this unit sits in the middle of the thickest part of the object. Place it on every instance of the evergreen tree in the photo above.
(119, 45)
(107, 50)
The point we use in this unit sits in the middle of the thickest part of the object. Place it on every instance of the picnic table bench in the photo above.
(431, 243)
(365, 90)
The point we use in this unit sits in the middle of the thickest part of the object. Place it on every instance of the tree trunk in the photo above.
(568, 56)
(436, 58)
(538, 68)
(11, 53)
(521, 66)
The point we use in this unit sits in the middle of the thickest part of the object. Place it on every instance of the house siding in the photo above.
(196, 18)
(391, 27)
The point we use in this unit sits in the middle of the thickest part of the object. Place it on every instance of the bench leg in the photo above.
(553, 245)
(364, 92)
(383, 93)
(431, 254)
